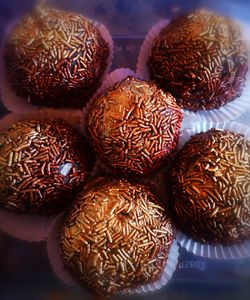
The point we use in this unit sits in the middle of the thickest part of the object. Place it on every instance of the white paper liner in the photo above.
(237, 251)
(19, 104)
(141, 67)
(72, 117)
(228, 112)
(33, 228)
(53, 248)
(25, 227)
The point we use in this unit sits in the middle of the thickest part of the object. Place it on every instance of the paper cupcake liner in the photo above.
(17, 104)
(25, 227)
(72, 117)
(53, 248)
(33, 228)
(108, 39)
(237, 251)
(228, 112)
(141, 67)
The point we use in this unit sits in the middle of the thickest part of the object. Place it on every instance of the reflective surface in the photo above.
(25, 272)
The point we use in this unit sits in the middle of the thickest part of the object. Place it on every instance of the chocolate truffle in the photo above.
(134, 126)
(210, 188)
(55, 58)
(116, 236)
(201, 59)
(42, 163)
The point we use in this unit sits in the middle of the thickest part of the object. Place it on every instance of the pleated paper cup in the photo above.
(33, 228)
(72, 117)
(237, 251)
(231, 111)
(18, 104)
(141, 67)
(53, 248)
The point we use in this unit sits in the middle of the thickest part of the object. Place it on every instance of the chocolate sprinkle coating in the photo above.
(42, 164)
(116, 236)
(134, 126)
(201, 59)
(55, 58)
(210, 188)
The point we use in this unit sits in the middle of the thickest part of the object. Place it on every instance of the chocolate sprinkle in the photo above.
(134, 126)
(210, 188)
(116, 236)
(201, 59)
(55, 58)
(42, 163)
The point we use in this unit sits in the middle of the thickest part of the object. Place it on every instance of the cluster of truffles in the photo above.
(55, 58)
(116, 235)
(210, 188)
(201, 59)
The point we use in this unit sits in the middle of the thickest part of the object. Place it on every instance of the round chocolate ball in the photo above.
(55, 58)
(201, 59)
(116, 236)
(134, 126)
(210, 188)
(42, 164)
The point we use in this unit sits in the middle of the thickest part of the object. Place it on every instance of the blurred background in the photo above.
(25, 272)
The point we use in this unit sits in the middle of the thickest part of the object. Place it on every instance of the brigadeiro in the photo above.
(55, 58)
(201, 59)
(134, 126)
(116, 236)
(42, 164)
(210, 188)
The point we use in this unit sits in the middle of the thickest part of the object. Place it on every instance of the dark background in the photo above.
(25, 272)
